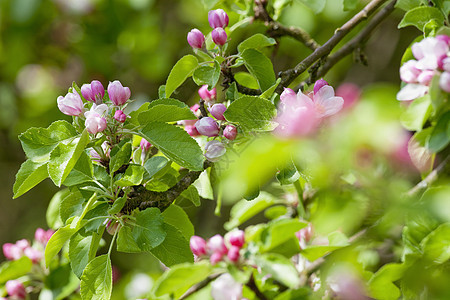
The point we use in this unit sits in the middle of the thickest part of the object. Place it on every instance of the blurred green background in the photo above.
(47, 44)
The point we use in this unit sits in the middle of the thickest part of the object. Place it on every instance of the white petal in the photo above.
(324, 93)
(411, 91)
(331, 106)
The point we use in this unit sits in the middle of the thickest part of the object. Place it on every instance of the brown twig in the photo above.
(276, 30)
(430, 178)
(289, 75)
(199, 286)
(252, 285)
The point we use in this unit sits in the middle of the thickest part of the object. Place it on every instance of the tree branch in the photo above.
(252, 285)
(276, 29)
(229, 79)
(199, 286)
(289, 75)
(430, 178)
(142, 198)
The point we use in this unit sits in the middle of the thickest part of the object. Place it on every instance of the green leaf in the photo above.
(179, 279)
(316, 5)
(155, 164)
(177, 217)
(269, 92)
(120, 155)
(420, 16)
(232, 92)
(180, 72)
(280, 268)
(64, 157)
(275, 212)
(381, 284)
(190, 194)
(409, 4)
(166, 113)
(246, 79)
(148, 231)
(82, 172)
(117, 205)
(288, 174)
(257, 41)
(436, 246)
(259, 66)
(279, 232)
(29, 175)
(175, 143)
(14, 269)
(174, 249)
(52, 216)
(133, 176)
(252, 113)
(71, 205)
(39, 142)
(96, 281)
(57, 241)
(207, 75)
(60, 283)
(125, 241)
(244, 210)
(350, 4)
(314, 252)
(82, 249)
(167, 101)
(439, 137)
(417, 113)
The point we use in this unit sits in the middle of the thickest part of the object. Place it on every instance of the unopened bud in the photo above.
(118, 93)
(145, 145)
(207, 126)
(236, 238)
(319, 84)
(206, 94)
(217, 111)
(218, 18)
(112, 227)
(214, 150)
(120, 116)
(287, 93)
(93, 92)
(215, 258)
(11, 251)
(191, 130)
(217, 244)
(196, 39)
(197, 245)
(34, 255)
(15, 288)
(42, 236)
(230, 132)
(233, 253)
(219, 36)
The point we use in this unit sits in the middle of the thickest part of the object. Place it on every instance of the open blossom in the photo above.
(444, 82)
(71, 104)
(409, 71)
(428, 52)
(118, 93)
(93, 92)
(95, 122)
(325, 102)
(226, 288)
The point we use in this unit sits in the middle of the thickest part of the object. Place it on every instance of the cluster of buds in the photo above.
(23, 248)
(300, 114)
(432, 57)
(218, 20)
(96, 118)
(218, 248)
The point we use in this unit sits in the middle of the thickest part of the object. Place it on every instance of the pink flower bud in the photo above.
(196, 39)
(34, 255)
(95, 122)
(197, 245)
(112, 227)
(43, 236)
(444, 38)
(219, 36)
(230, 132)
(216, 257)
(206, 94)
(71, 104)
(305, 234)
(233, 253)
(93, 92)
(207, 126)
(11, 251)
(117, 93)
(217, 111)
(236, 238)
(120, 116)
(145, 145)
(218, 18)
(23, 244)
(409, 72)
(217, 244)
(15, 288)
(425, 77)
(287, 93)
(319, 84)
(191, 130)
(444, 82)
(214, 150)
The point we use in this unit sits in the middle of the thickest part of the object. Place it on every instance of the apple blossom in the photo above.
(43, 236)
(95, 121)
(16, 289)
(217, 244)
(428, 52)
(444, 82)
(226, 288)
(214, 150)
(325, 102)
(230, 132)
(218, 18)
(236, 238)
(207, 126)
(93, 92)
(233, 253)
(71, 104)
(120, 116)
(219, 36)
(118, 94)
(319, 84)
(196, 39)
(207, 95)
(409, 72)
(217, 111)
(197, 245)
(215, 257)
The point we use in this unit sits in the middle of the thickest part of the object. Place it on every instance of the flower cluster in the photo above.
(23, 248)
(300, 114)
(96, 115)
(432, 58)
(218, 248)
(218, 20)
